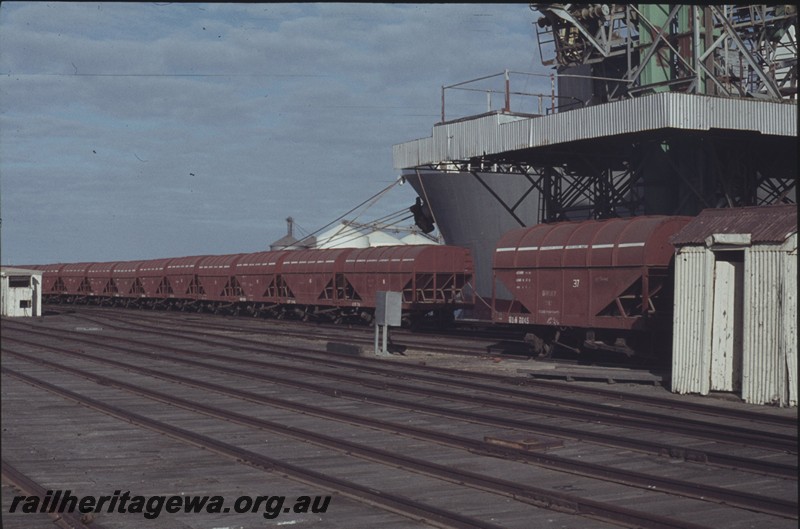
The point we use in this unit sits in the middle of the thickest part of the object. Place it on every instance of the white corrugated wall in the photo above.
(763, 365)
(769, 361)
(694, 297)
(10, 298)
(790, 316)
(770, 331)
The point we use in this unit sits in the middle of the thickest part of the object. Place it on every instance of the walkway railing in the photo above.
(541, 98)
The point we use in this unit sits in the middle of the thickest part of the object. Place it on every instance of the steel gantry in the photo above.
(725, 50)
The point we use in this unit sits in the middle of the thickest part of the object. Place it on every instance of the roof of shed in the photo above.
(763, 223)
(8, 270)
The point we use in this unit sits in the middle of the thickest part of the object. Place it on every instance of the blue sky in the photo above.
(136, 131)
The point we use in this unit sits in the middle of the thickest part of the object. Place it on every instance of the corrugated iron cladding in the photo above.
(694, 266)
(765, 224)
(508, 132)
(769, 311)
(789, 305)
(770, 326)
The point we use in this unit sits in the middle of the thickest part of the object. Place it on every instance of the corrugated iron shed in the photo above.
(735, 318)
(764, 224)
(20, 292)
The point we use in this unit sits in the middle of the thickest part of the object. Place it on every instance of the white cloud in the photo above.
(276, 109)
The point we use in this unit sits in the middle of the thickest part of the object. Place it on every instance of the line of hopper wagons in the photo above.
(596, 284)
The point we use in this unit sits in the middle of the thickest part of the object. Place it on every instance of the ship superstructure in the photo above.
(655, 109)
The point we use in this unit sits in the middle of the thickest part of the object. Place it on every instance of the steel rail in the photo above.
(539, 497)
(649, 482)
(642, 399)
(390, 502)
(574, 409)
(65, 520)
(660, 449)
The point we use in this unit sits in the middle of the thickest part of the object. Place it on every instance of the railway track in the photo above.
(468, 343)
(534, 495)
(397, 504)
(286, 329)
(67, 352)
(741, 436)
(23, 483)
(648, 482)
(528, 400)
